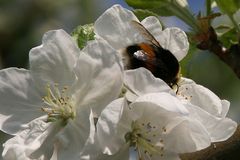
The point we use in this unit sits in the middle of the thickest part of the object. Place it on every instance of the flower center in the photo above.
(123, 92)
(146, 139)
(183, 94)
(58, 105)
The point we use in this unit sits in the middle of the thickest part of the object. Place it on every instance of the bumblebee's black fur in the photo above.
(165, 67)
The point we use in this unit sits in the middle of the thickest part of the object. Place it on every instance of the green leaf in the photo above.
(229, 38)
(83, 34)
(146, 4)
(228, 6)
(163, 11)
(178, 8)
(187, 61)
(143, 13)
(208, 7)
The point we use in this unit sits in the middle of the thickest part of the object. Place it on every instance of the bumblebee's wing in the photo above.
(145, 33)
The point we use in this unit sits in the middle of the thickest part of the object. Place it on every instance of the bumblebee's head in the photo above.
(174, 83)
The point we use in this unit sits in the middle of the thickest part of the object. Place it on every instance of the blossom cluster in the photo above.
(82, 105)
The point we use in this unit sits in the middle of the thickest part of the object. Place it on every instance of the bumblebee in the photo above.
(152, 56)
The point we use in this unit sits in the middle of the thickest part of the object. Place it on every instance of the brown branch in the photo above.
(231, 56)
(226, 150)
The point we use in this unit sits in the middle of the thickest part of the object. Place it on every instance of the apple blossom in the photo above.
(156, 125)
(208, 108)
(50, 108)
(203, 105)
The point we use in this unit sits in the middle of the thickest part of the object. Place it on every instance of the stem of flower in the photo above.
(234, 23)
(185, 15)
(208, 7)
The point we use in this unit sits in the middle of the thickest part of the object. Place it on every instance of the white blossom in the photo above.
(50, 108)
(208, 108)
(203, 105)
(155, 125)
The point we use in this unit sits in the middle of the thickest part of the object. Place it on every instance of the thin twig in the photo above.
(230, 56)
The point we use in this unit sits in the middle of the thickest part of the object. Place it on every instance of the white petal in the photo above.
(131, 96)
(151, 112)
(141, 81)
(219, 129)
(114, 25)
(202, 97)
(152, 24)
(225, 108)
(187, 136)
(107, 125)
(184, 80)
(122, 154)
(19, 100)
(223, 130)
(53, 61)
(99, 73)
(175, 40)
(163, 100)
(147, 110)
(72, 139)
(92, 149)
(35, 142)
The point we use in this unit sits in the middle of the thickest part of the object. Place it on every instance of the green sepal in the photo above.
(229, 38)
(83, 34)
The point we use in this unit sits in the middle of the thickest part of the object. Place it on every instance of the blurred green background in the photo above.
(23, 22)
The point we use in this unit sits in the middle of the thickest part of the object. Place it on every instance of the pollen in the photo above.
(57, 104)
(184, 94)
(143, 137)
(164, 129)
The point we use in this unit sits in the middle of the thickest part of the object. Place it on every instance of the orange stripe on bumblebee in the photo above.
(148, 50)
